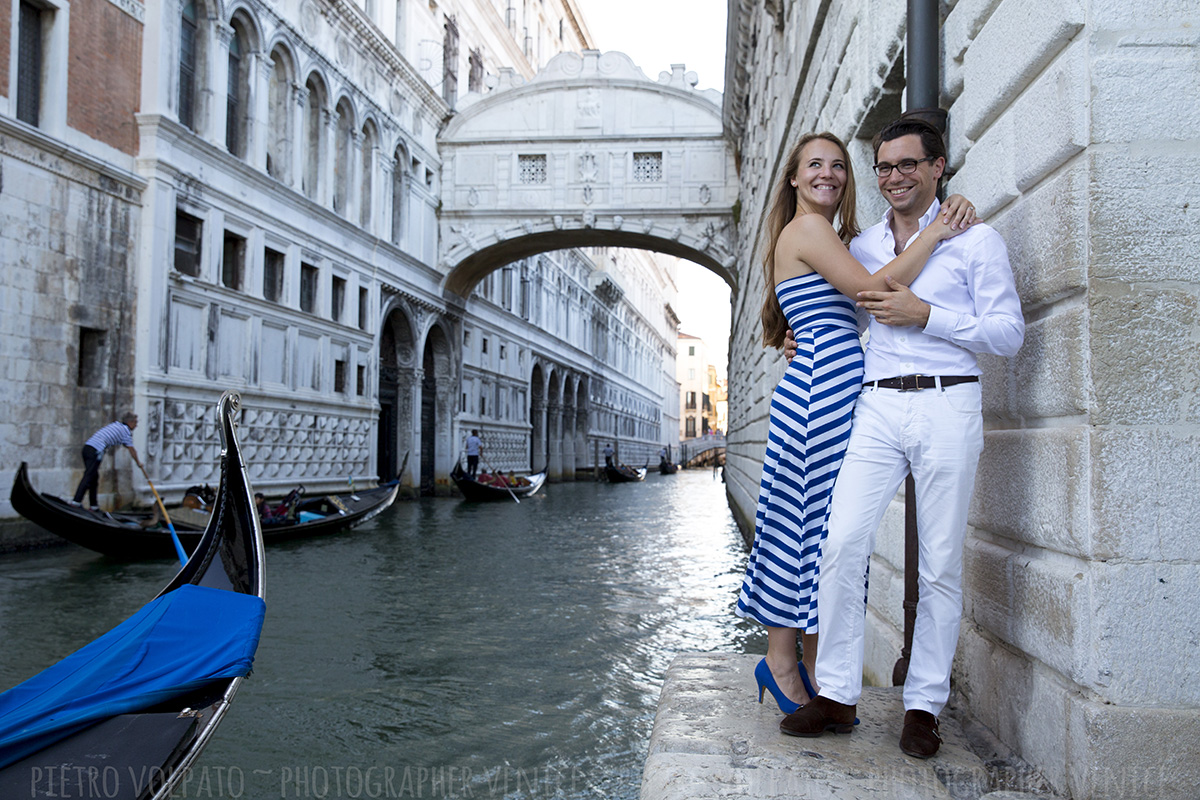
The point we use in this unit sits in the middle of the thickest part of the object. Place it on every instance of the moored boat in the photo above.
(126, 715)
(508, 489)
(123, 536)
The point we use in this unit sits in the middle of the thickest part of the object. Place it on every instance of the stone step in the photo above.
(712, 739)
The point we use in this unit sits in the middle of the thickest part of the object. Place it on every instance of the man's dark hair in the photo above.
(906, 125)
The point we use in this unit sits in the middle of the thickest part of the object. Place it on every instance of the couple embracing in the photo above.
(847, 427)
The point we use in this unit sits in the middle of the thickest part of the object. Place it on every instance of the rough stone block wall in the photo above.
(66, 239)
(101, 102)
(1072, 126)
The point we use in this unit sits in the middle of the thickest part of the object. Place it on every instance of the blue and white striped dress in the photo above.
(811, 412)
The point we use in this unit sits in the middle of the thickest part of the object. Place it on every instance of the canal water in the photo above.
(444, 649)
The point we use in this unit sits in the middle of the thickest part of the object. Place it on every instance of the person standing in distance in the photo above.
(919, 410)
(112, 434)
(608, 454)
(473, 445)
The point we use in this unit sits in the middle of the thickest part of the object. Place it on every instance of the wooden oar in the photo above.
(171, 527)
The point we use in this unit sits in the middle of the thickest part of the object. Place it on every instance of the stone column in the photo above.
(296, 123)
(568, 442)
(554, 437)
(354, 177)
(328, 162)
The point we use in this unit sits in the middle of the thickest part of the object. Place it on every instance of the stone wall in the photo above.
(67, 231)
(1072, 126)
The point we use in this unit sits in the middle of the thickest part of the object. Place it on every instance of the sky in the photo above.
(657, 34)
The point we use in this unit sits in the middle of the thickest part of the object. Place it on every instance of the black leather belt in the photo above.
(910, 383)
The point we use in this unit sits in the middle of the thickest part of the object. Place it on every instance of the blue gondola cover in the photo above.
(176, 643)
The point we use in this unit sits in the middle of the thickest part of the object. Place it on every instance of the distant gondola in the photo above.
(475, 491)
(625, 474)
(121, 535)
(667, 468)
(129, 713)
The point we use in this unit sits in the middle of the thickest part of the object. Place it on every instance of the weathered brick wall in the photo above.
(1073, 129)
(104, 80)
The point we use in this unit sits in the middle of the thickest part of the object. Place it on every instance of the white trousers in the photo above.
(938, 434)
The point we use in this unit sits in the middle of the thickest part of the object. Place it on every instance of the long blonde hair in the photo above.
(783, 210)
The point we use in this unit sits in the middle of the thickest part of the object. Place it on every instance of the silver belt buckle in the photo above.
(910, 383)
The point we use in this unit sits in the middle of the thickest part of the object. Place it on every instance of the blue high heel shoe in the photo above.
(766, 682)
(808, 687)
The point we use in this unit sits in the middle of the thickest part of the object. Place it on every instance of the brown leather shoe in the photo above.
(819, 715)
(920, 737)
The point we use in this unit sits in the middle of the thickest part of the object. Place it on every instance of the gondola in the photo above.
(127, 715)
(624, 474)
(667, 468)
(122, 536)
(475, 491)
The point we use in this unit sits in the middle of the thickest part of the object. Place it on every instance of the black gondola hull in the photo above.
(130, 542)
(480, 493)
(625, 474)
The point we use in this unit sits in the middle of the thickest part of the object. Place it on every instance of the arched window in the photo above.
(368, 170)
(188, 39)
(279, 143)
(341, 167)
(237, 93)
(313, 138)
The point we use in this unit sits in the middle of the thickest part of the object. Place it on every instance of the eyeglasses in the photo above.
(907, 167)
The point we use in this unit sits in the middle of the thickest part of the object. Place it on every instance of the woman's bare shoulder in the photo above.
(807, 224)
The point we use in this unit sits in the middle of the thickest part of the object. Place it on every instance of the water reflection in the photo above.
(445, 648)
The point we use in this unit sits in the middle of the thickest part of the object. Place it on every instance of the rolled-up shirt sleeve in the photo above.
(997, 326)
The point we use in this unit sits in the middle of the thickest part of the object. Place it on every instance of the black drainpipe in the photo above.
(922, 86)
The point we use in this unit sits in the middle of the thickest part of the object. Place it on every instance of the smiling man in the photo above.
(919, 411)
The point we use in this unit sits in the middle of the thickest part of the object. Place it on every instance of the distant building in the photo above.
(699, 390)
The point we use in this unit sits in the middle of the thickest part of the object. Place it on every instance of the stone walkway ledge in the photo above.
(712, 739)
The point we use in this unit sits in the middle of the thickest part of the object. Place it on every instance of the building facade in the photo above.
(699, 389)
(1072, 127)
(203, 196)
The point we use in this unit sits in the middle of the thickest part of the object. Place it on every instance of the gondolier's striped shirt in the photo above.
(112, 434)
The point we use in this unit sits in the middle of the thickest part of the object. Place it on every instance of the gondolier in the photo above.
(473, 445)
(111, 435)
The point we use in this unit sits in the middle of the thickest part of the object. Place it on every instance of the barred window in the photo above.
(236, 91)
(188, 231)
(337, 299)
(233, 260)
(272, 275)
(187, 64)
(532, 168)
(475, 71)
(647, 167)
(29, 64)
(308, 288)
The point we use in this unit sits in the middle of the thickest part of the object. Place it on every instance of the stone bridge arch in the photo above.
(589, 152)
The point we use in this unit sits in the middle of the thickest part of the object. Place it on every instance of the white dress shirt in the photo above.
(974, 307)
